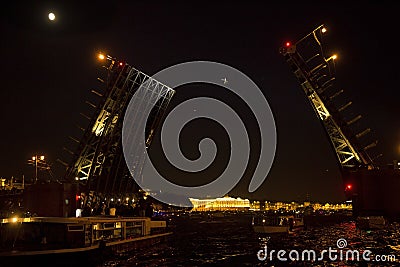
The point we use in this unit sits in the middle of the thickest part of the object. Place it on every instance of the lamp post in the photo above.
(35, 160)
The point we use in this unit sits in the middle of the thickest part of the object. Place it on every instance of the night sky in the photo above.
(48, 69)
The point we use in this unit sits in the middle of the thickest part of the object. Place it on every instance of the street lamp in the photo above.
(36, 159)
(101, 56)
(333, 57)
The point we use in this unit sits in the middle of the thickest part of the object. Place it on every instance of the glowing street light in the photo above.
(101, 56)
(333, 57)
(323, 30)
(36, 159)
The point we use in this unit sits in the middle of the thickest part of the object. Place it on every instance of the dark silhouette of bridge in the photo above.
(372, 187)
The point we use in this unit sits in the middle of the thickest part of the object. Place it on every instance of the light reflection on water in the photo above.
(230, 241)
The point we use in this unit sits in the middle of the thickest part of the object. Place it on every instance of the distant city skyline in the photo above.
(228, 203)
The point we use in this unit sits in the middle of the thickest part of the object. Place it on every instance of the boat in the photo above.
(24, 238)
(371, 222)
(277, 224)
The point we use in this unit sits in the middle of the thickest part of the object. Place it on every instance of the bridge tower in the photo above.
(371, 188)
(98, 166)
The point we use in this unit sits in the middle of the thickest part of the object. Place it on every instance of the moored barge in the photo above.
(26, 238)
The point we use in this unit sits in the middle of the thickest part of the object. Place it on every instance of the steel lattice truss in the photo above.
(315, 73)
(99, 165)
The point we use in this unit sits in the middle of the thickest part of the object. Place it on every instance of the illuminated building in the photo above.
(238, 204)
(220, 204)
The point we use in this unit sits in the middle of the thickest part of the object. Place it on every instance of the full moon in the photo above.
(52, 16)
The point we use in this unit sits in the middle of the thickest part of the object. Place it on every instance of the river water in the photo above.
(230, 241)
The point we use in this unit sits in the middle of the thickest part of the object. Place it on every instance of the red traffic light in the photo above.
(349, 187)
(287, 44)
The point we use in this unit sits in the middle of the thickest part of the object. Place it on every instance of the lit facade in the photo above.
(316, 206)
(238, 204)
(220, 204)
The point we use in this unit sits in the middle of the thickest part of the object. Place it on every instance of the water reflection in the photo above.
(230, 241)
